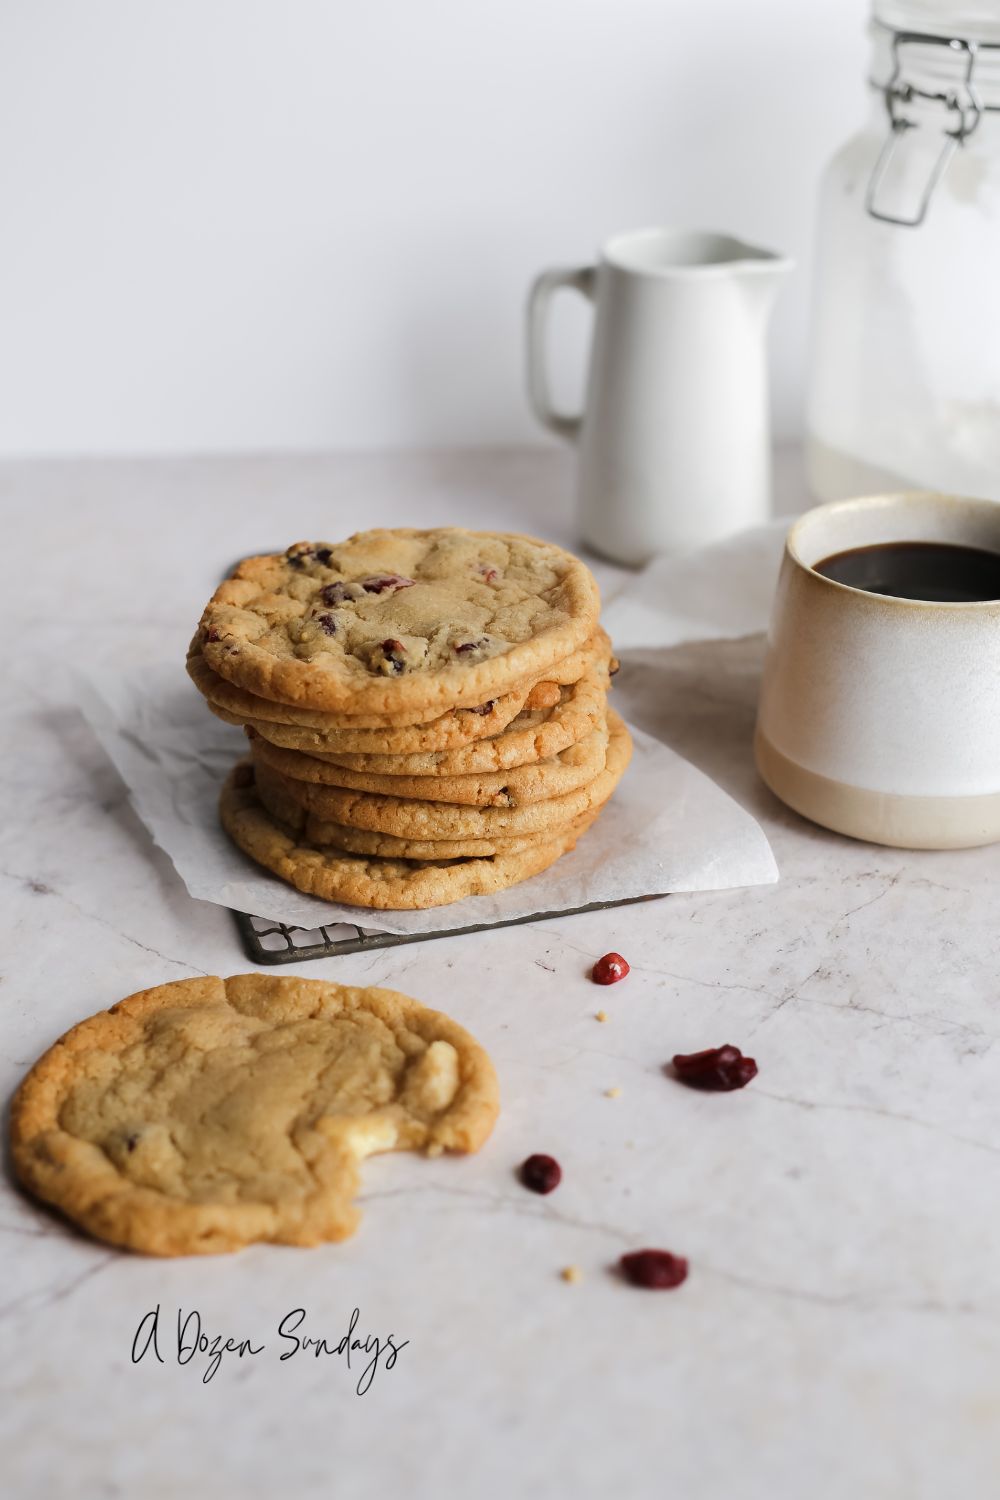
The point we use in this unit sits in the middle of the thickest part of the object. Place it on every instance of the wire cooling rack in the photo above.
(268, 942)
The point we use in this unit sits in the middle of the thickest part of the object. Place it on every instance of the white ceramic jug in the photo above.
(674, 443)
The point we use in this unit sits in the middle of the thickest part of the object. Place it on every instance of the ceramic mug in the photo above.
(674, 441)
(879, 717)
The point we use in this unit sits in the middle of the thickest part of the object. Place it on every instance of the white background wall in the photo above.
(256, 224)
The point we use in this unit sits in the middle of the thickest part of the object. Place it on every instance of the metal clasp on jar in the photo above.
(962, 101)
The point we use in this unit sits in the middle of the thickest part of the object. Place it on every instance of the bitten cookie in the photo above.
(393, 621)
(200, 1116)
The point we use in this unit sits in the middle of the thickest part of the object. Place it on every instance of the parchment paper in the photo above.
(668, 828)
(721, 592)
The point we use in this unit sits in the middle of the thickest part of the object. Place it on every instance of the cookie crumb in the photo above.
(602, 1015)
(572, 1274)
(614, 1093)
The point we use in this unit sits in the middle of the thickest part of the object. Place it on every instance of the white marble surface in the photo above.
(839, 1335)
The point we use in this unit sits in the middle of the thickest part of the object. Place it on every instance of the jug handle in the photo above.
(581, 279)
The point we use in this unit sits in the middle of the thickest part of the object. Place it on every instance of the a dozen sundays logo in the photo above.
(192, 1343)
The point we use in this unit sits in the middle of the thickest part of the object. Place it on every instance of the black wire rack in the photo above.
(269, 942)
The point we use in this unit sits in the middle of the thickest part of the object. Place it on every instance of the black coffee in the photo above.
(938, 571)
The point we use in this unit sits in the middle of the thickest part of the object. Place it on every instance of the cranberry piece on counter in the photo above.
(717, 1069)
(657, 1269)
(609, 969)
(541, 1173)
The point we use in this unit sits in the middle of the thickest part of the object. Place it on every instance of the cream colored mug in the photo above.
(879, 717)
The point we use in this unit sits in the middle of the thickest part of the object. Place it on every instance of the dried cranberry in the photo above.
(296, 561)
(322, 555)
(541, 1173)
(658, 1269)
(393, 652)
(211, 634)
(327, 623)
(717, 1068)
(489, 575)
(383, 581)
(485, 708)
(609, 969)
(334, 593)
(465, 646)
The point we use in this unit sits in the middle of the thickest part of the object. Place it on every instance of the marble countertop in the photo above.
(839, 1334)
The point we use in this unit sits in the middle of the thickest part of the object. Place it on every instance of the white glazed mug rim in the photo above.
(894, 501)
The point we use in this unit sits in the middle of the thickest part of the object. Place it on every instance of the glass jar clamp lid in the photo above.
(938, 71)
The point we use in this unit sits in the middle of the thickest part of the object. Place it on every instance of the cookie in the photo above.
(571, 768)
(357, 731)
(410, 819)
(364, 733)
(371, 882)
(203, 1115)
(535, 735)
(294, 819)
(362, 841)
(395, 621)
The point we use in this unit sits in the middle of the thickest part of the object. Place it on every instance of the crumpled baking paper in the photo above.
(668, 827)
(720, 592)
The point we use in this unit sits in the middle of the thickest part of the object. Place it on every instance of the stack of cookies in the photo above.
(426, 710)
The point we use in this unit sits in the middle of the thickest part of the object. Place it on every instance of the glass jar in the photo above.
(904, 389)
